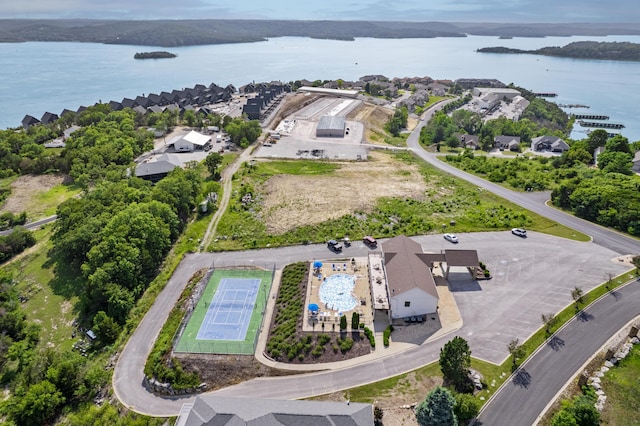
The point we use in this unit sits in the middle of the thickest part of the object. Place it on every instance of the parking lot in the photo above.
(530, 277)
(298, 134)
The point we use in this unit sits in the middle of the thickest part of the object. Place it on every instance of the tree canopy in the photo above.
(437, 409)
(455, 360)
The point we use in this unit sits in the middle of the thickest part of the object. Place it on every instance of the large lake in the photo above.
(41, 77)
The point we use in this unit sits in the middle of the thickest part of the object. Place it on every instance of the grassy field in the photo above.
(50, 300)
(620, 384)
(443, 200)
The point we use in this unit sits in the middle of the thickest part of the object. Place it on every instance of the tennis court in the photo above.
(227, 316)
(230, 310)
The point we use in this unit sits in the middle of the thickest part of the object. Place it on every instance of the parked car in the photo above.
(519, 232)
(370, 241)
(346, 241)
(334, 245)
(451, 238)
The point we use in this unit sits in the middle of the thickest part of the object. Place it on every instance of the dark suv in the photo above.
(334, 245)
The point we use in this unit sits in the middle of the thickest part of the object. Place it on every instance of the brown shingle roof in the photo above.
(405, 268)
(467, 258)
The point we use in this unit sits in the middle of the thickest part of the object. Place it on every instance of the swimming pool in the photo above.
(336, 292)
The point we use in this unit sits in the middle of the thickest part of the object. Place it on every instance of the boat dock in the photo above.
(590, 117)
(602, 125)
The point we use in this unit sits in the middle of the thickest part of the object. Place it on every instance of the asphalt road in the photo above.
(522, 399)
(602, 320)
(533, 201)
(33, 225)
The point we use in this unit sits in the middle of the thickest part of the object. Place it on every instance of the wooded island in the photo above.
(611, 51)
(154, 55)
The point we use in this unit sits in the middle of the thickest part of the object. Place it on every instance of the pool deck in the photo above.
(361, 292)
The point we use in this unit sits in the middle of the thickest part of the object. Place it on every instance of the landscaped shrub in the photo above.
(323, 339)
(370, 336)
(345, 344)
(343, 322)
(355, 321)
(386, 334)
(317, 351)
(288, 308)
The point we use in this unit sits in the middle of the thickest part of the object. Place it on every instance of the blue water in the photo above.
(336, 292)
(41, 77)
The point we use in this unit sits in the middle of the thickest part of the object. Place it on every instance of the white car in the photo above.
(519, 232)
(451, 238)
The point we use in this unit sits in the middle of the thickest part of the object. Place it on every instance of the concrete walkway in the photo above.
(450, 321)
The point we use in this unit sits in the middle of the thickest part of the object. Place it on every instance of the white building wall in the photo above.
(183, 146)
(421, 303)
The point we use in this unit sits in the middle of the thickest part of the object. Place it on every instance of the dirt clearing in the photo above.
(291, 201)
(27, 190)
(398, 402)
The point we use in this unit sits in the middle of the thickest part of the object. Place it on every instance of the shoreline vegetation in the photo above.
(608, 51)
(154, 55)
(173, 33)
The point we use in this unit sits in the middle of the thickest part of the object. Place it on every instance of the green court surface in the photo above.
(187, 341)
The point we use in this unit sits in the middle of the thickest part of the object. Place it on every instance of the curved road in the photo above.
(524, 397)
(604, 318)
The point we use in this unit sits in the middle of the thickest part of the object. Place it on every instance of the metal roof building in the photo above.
(330, 126)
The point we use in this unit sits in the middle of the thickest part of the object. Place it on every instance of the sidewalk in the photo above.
(450, 320)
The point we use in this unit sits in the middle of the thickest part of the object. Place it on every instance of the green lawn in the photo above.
(44, 204)
(620, 384)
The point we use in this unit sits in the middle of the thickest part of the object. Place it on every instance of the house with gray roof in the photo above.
(29, 121)
(512, 143)
(549, 143)
(468, 141)
(156, 170)
(211, 410)
(48, 117)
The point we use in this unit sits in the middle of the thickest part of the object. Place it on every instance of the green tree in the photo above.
(38, 405)
(355, 321)
(618, 143)
(106, 329)
(577, 296)
(455, 360)
(213, 161)
(585, 412)
(343, 322)
(636, 262)
(189, 117)
(615, 162)
(597, 138)
(516, 350)
(564, 417)
(467, 406)
(437, 409)
(549, 320)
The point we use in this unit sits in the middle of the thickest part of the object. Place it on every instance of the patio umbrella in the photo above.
(317, 264)
(313, 307)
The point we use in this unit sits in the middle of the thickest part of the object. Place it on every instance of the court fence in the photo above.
(248, 346)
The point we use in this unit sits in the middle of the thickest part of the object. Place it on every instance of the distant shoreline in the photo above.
(175, 33)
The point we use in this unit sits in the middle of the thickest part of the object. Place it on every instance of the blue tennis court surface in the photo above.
(229, 313)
